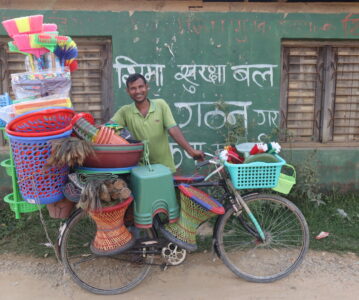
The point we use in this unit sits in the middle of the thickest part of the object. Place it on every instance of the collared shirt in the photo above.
(152, 128)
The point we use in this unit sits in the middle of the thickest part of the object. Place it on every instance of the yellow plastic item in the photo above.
(23, 107)
(23, 24)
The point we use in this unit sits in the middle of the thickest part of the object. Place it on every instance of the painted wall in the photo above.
(196, 59)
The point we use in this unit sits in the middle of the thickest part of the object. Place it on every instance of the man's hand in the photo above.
(177, 135)
(197, 155)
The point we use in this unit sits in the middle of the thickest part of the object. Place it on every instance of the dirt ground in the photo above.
(323, 275)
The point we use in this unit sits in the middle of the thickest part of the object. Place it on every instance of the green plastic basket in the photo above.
(8, 166)
(19, 206)
(286, 182)
(255, 175)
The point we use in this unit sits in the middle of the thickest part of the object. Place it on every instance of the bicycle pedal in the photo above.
(164, 267)
(150, 242)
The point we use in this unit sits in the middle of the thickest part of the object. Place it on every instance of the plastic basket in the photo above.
(255, 175)
(37, 184)
(19, 206)
(42, 122)
(8, 166)
(4, 101)
(286, 182)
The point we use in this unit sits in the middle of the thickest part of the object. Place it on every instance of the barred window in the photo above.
(320, 92)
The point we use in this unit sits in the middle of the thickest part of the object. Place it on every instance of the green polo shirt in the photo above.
(153, 128)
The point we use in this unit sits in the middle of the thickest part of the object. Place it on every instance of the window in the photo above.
(320, 93)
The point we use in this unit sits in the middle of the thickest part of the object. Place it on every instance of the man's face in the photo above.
(138, 90)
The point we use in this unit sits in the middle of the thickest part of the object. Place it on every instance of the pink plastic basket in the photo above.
(43, 122)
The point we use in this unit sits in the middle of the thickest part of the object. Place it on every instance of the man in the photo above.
(151, 120)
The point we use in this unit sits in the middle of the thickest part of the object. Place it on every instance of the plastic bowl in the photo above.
(114, 156)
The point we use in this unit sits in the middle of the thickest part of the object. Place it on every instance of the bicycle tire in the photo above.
(287, 239)
(104, 275)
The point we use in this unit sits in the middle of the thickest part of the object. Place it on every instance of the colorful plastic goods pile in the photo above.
(41, 43)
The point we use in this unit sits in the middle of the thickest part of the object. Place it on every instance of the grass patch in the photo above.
(339, 216)
(26, 235)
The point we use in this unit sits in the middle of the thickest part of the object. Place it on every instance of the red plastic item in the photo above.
(322, 235)
(108, 136)
(88, 117)
(233, 156)
(111, 158)
(41, 123)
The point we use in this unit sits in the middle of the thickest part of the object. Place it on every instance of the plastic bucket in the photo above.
(286, 182)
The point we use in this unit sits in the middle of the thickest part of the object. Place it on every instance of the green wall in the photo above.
(198, 59)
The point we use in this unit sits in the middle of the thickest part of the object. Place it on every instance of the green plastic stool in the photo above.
(154, 193)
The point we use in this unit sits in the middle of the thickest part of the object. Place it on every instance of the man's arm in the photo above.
(177, 135)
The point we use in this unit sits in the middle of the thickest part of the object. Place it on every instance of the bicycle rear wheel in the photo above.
(286, 243)
(106, 275)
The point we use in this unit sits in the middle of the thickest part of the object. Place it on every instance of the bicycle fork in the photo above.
(238, 202)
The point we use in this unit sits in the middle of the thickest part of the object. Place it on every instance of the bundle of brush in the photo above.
(99, 193)
(66, 51)
(70, 151)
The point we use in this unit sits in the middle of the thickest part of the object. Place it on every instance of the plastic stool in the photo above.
(154, 192)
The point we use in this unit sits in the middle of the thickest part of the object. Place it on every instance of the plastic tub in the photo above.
(115, 156)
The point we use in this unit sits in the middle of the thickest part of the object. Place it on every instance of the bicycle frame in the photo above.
(237, 202)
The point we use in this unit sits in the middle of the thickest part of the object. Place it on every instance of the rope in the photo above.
(51, 244)
(146, 155)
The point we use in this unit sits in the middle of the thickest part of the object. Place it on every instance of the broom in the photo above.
(70, 151)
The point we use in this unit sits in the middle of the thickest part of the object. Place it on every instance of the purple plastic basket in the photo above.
(38, 185)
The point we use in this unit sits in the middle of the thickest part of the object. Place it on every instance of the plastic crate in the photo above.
(255, 175)
(4, 101)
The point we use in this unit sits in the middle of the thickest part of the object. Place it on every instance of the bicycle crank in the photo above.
(173, 254)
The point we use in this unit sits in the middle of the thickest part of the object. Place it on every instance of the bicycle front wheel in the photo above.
(106, 275)
(286, 239)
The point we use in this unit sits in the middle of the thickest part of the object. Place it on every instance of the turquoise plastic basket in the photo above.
(255, 175)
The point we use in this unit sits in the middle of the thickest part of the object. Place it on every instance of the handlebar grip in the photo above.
(201, 164)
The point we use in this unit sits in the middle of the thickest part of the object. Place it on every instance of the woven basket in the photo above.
(112, 236)
(196, 208)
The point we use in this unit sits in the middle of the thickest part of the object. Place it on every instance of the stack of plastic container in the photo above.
(42, 111)
(14, 199)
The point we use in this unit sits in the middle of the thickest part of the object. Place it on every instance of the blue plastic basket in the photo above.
(255, 175)
(37, 184)
(4, 101)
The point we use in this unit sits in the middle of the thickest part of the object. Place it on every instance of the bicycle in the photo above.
(260, 238)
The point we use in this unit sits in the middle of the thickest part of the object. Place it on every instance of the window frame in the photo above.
(324, 93)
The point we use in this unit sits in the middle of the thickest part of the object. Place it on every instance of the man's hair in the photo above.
(134, 77)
